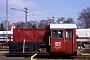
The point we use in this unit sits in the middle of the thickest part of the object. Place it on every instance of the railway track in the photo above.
(79, 57)
(83, 57)
(4, 46)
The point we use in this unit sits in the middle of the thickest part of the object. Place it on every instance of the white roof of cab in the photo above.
(63, 26)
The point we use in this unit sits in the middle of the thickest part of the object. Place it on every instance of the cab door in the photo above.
(69, 40)
(57, 41)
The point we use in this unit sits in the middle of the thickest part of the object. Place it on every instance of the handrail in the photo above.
(73, 38)
(64, 37)
(23, 45)
(49, 40)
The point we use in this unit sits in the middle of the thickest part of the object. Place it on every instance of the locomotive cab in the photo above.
(63, 38)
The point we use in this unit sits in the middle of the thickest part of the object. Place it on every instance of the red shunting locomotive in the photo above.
(54, 39)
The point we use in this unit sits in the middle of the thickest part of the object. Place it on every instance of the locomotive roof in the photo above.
(63, 26)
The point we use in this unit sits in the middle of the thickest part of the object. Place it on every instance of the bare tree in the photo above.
(5, 25)
(29, 24)
(50, 20)
(1, 27)
(69, 20)
(34, 24)
(84, 18)
(60, 19)
(22, 24)
(42, 24)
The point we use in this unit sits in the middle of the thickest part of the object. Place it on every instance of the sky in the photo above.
(41, 9)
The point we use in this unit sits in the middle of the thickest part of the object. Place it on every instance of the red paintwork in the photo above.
(75, 43)
(47, 25)
(32, 35)
(42, 35)
(68, 44)
(58, 49)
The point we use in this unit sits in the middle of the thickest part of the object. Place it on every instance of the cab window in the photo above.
(69, 34)
(60, 34)
(57, 34)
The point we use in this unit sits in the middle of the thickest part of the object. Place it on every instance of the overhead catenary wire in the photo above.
(40, 15)
(46, 14)
(46, 8)
(57, 8)
(5, 11)
(23, 11)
